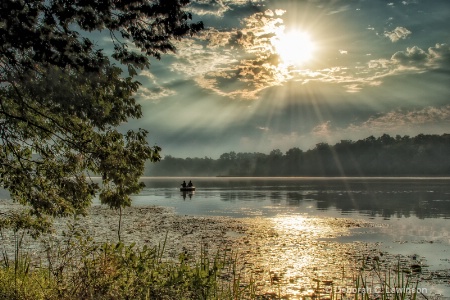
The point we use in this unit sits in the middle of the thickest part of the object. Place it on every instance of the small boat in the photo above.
(187, 189)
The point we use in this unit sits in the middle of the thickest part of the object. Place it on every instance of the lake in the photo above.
(409, 220)
(385, 198)
(412, 213)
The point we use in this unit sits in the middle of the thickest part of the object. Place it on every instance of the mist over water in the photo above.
(363, 197)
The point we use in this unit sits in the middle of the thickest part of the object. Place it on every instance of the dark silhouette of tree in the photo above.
(423, 155)
(61, 98)
(293, 161)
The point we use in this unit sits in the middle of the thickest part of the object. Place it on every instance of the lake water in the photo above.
(411, 216)
(416, 211)
(377, 198)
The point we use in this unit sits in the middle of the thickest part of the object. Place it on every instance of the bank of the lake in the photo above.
(287, 256)
(288, 235)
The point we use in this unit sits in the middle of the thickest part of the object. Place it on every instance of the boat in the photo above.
(187, 189)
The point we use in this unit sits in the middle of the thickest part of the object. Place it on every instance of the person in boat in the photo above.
(190, 184)
(183, 184)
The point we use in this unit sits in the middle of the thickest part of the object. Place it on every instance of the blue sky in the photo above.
(279, 74)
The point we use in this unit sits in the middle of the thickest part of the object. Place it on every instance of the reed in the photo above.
(78, 268)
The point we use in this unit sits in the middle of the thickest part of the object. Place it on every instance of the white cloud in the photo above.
(397, 34)
(153, 91)
(216, 7)
(241, 62)
(432, 120)
(413, 56)
(323, 129)
(427, 120)
(234, 63)
(395, 120)
(208, 7)
(417, 58)
(413, 60)
(154, 94)
(341, 9)
(440, 55)
(280, 12)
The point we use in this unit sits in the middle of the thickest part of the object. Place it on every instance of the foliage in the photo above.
(79, 268)
(423, 155)
(62, 98)
(399, 282)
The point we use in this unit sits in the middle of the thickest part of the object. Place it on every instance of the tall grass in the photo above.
(78, 268)
(75, 267)
(374, 280)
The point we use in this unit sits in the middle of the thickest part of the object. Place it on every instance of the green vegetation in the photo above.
(397, 283)
(62, 98)
(423, 155)
(61, 102)
(76, 267)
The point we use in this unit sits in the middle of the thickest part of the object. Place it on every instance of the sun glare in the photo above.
(294, 47)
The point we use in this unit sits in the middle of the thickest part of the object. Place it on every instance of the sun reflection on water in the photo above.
(299, 223)
(288, 256)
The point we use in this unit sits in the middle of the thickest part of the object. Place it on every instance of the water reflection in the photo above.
(373, 197)
(188, 194)
(234, 196)
(294, 245)
(387, 203)
(292, 255)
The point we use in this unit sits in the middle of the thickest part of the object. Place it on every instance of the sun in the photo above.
(293, 47)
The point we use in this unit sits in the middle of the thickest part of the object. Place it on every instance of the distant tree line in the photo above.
(422, 155)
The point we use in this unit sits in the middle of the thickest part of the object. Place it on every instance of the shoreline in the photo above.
(276, 253)
(289, 254)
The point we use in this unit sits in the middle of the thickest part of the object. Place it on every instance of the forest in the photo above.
(422, 155)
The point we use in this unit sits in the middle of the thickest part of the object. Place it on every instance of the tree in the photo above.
(62, 99)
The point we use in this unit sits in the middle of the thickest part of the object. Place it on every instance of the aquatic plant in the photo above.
(78, 268)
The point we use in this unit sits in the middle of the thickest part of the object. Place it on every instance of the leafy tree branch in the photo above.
(62, 99)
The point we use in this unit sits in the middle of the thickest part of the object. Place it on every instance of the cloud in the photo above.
(218, 8)
(393, 122)
(413, 56)
(323, 129)
(440, 56)
(413, 60)
(409, 2)
(341, 9)
(241, 62)
(398, 119)
(208, 7)
(411, 122)
(154, 94)
(397, 34)
(152, 90)
(236, 63)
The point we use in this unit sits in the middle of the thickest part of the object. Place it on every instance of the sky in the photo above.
(267, 75)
